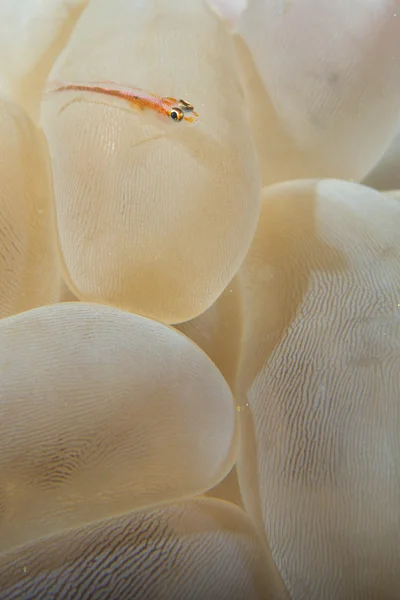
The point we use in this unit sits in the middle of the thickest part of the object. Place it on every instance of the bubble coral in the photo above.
(199, 322)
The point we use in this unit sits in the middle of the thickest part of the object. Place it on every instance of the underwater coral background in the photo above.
(200, 299)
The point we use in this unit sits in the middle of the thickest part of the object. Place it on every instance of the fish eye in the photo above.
(176, 114)
(185, 105)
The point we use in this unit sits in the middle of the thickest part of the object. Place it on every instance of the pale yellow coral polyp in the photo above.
(102, 412)
(153, 216)
(198, 550)
(29, 273)
(320, 371)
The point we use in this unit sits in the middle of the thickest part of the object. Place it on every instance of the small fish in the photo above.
(177, 110)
